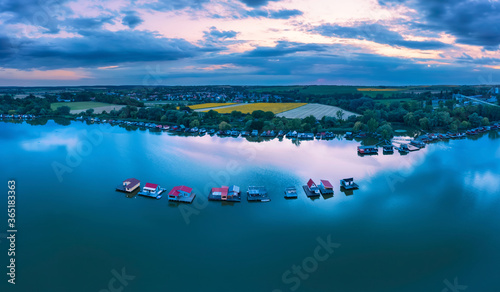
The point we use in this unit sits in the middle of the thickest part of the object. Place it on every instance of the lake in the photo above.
(426, 221)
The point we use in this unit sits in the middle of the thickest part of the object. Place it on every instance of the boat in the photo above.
(291, 193)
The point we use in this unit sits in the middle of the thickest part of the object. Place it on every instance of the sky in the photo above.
(249, 42)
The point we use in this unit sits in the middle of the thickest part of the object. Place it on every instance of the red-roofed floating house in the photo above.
(311, 189)
(152, 191)
(224, 193)
(326, 187)
(181, 194)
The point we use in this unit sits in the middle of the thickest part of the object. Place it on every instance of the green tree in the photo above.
(485, 122)
(224, 126)
(358, 126)
(90, 111)
(195, 123)
(475, 120)
(386, 131)
(372, 125)
(63, 110)
(425, 123)
(340, 115)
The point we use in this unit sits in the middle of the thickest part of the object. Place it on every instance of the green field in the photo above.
(79, 105)
(329, 89)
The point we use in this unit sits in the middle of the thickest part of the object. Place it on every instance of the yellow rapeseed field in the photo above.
(208, 105)
(250, 107)
(379, 89)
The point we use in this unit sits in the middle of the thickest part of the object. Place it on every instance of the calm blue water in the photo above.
(417, 222)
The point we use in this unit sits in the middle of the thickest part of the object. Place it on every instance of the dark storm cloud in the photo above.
(34, 12)
(131, 19)
(376, 33)
(321, 62)
(99, 48)
(471, 22)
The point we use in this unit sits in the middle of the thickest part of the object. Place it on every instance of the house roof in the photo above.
(348, 179)
(223, 190)
(132, 181)
(151, 186)
(235, 189)
(177, 189)
(326, 184)
(310, 183)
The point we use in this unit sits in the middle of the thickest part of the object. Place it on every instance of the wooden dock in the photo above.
(309, 193)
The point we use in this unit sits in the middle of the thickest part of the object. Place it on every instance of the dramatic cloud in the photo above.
(34, 12)
(88, 23)
(472, 22)
(377, 33)
(131, 19)
(99, 48)
(249, 41)
(284, 48)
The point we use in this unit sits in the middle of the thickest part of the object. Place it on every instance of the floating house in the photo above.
(257, 194)
(291, 193)
(152, 191)
(181, 194)
(403, 148)
(348, 184)
(129, 185)
(311, 189)
(388, 149)
(228, 194)
(326, 187)
(363, 150)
